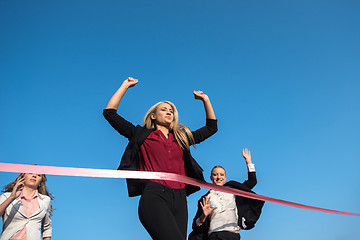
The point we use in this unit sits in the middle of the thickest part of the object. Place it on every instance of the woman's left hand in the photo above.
(246, 154)
(199, 95)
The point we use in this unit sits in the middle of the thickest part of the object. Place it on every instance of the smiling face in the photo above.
(32, 180)
(164, 115)
(218, 176)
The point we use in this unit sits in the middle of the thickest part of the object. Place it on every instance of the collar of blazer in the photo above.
(18, 207)
(42, 205)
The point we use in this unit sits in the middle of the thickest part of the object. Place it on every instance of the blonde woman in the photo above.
(161, 145)
(26, 209)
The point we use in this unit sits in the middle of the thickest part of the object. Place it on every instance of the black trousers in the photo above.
(224, 235)
(163, 212)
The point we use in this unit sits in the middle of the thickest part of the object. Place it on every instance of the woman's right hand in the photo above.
(205, 205)
(130, 82)
(116, 98)
(17, 188)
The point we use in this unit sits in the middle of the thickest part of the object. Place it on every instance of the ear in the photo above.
(152, 116)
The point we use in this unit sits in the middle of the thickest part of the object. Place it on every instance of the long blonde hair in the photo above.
(181, 132)
(41, 189)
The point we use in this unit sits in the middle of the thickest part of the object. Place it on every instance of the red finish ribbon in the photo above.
(103, 173)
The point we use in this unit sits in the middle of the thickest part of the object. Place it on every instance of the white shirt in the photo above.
(224, 217)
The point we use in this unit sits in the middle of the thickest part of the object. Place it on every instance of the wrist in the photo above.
(125, 85)
(248, 160)
(202, 218)
(206, 100)
(11, 198)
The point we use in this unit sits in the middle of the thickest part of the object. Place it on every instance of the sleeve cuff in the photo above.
(109, 111)
(47, 233)
(251, 167)
(211, 122)
(198, 223)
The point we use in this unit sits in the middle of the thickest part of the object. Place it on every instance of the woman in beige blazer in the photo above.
(26, 209)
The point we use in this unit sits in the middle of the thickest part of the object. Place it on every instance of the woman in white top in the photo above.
(26, 209)
(220, 215)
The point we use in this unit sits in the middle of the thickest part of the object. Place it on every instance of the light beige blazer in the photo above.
(14, 219)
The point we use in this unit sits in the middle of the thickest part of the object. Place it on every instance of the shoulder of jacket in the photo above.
(141, 132)
(45, 197)
(6, 194)
(232, 182)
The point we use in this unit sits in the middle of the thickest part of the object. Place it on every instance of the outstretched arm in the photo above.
(116, 98)
(199, 95)
(121, 125)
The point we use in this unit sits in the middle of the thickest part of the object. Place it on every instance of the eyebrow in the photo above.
(167, 108)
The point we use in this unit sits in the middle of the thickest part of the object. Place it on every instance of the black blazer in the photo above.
(137, 135)
(249, 209)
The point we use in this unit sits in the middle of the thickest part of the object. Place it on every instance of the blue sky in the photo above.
(283, 77)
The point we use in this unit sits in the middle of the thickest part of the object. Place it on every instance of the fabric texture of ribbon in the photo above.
(103, 173)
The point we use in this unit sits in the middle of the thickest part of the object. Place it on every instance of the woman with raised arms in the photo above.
(162, 144)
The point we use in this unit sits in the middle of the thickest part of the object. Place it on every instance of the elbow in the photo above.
(255, 182)
(108, 112)
(252, 183)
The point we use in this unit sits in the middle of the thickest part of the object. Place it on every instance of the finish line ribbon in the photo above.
(103, 173)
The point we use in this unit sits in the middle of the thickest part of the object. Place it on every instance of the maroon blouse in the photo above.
(161, 154)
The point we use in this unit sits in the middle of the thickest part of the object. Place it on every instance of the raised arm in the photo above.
(199, 95)
(121, 125)
(251, 181)
(116, 98)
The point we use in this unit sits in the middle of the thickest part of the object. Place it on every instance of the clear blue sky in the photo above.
(283, 77)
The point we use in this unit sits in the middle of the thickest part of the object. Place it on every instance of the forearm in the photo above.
(210, 114)
(252, 181)
(116, 98)
(5, 204)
